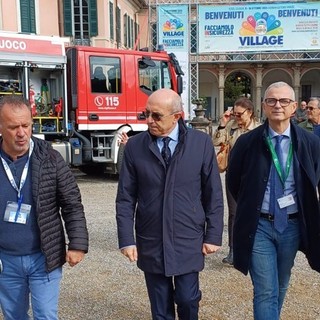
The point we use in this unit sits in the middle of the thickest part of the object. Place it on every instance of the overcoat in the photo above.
(173, 211)
(247, 178)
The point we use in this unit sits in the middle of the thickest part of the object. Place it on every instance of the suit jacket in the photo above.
(247, 178)
(174, 212)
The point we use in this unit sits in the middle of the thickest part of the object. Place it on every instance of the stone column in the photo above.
(221, 89)
(258, 104)
(296, 80)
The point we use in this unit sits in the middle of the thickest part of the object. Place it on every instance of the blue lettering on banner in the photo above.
(298, 13)
(261, 41)
(173, 33)
(214, 30)
(173, 42)
(224, 15)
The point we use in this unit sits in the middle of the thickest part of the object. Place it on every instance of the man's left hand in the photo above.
(73, 257)
(209, 248)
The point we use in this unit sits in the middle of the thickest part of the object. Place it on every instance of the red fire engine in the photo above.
(82, 98)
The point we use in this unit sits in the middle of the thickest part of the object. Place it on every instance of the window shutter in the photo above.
(93, 18)
(111, 20)
(28, 18)
(118, 26)
(125, 30)
(67, 21)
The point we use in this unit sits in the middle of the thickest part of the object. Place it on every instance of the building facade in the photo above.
(134, 24)
(103, 23)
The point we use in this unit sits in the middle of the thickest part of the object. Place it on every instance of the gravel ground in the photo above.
(106, 286)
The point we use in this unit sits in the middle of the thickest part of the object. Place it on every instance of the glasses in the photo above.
(239, 114)
(284, 102)
(310, 108)
(155, 115)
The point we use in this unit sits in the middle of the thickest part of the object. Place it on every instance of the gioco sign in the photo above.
(12, 44)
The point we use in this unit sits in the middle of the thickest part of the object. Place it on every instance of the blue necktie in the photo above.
(166, 152)
(276, 191)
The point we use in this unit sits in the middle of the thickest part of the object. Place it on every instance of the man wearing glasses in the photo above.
(170, 193)
(301, 113)
(274, 174)
(312, 124)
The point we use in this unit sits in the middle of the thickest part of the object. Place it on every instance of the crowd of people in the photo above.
(169, 204)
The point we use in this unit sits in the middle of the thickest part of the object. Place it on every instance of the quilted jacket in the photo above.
(57, 200)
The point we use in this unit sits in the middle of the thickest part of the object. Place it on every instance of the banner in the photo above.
(173, 27)
(259, 27)
(173, 30)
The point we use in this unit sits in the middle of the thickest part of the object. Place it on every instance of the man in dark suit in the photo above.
(274, 174)
(170, 193)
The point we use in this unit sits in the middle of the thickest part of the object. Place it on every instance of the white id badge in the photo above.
(12, 214)
(286, 201)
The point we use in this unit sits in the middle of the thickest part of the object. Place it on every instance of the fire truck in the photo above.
(81, 97)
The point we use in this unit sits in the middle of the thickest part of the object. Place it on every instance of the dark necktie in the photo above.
(166, 152)
(276, 191)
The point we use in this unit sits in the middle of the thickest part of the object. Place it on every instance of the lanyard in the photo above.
(23, 176)
(283, 175)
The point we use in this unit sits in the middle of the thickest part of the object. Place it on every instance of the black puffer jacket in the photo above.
(56, 196)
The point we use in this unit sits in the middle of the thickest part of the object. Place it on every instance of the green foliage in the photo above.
(232, 91)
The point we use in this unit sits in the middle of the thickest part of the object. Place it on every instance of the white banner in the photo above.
(259, 27)
(173, 33)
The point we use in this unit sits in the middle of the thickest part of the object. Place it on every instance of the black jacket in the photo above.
(247, 177)
(56, 196)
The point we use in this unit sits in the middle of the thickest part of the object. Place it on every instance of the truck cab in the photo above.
(108, 93)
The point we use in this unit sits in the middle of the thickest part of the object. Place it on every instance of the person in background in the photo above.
(301, 113)
(123, 138)
(39, 196)
(170, 194)
(233, 123)
(312, 124)
(274, 176)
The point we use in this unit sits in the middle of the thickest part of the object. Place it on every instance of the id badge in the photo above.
(286, 201)
(15, 214)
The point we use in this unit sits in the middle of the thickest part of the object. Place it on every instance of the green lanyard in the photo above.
(283, 175)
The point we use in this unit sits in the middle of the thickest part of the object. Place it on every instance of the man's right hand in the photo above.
(131, 253)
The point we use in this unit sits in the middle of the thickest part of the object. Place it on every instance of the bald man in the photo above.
(170, 193)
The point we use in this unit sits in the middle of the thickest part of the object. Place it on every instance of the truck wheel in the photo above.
(120, 157)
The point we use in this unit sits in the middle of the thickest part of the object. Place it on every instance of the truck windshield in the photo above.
(153, 75)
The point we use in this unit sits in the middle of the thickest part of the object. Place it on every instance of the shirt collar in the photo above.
(286, 133)
(174, 134)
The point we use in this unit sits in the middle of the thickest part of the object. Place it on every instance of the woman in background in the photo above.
(233, 123)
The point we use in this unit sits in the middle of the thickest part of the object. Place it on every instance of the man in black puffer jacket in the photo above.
(39, 202)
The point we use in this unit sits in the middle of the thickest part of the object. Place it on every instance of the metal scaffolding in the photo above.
(195, 58)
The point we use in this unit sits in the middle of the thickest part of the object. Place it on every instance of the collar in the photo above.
(8, 157)
(252, 125)
(286, 133)
(174, 134)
